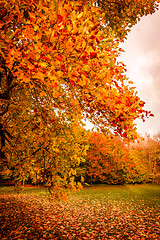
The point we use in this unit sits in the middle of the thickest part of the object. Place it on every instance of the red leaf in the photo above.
(125, 134)
(71, 81)
(54, 85)
(141, 103)
(59, 17)
(93, 54)
(59, 57)
(75, 73)
(97, 40)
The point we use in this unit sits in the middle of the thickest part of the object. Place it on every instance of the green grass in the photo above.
(24, 190)
(150, 192)
(96, 212)
(129, 196)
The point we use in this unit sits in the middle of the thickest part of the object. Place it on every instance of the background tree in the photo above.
(110, 160)
(106, 160)
(152, 149)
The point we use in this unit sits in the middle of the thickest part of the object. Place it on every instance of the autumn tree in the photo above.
(59, 61)
(144, 155)
(140, 166)
(107, 159)
(152, 151)
(49, 148)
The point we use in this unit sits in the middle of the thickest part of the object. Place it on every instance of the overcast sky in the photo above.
(142, 58)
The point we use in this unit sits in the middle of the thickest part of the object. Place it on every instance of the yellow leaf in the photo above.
(59, 73)
(52, 35)
(43, 64)
(80, 15)
(52, 77)
(69, 27)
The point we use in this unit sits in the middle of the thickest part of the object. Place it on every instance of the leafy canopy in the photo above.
(65, 50)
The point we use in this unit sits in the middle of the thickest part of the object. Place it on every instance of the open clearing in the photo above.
(99, 212)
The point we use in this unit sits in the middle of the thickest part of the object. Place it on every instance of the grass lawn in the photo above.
(97, 212)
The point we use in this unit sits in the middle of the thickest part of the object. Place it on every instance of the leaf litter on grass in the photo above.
(27, 216)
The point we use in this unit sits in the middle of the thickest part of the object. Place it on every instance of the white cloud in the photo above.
(142, 58)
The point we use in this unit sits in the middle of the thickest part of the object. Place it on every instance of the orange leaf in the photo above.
(75, 73)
